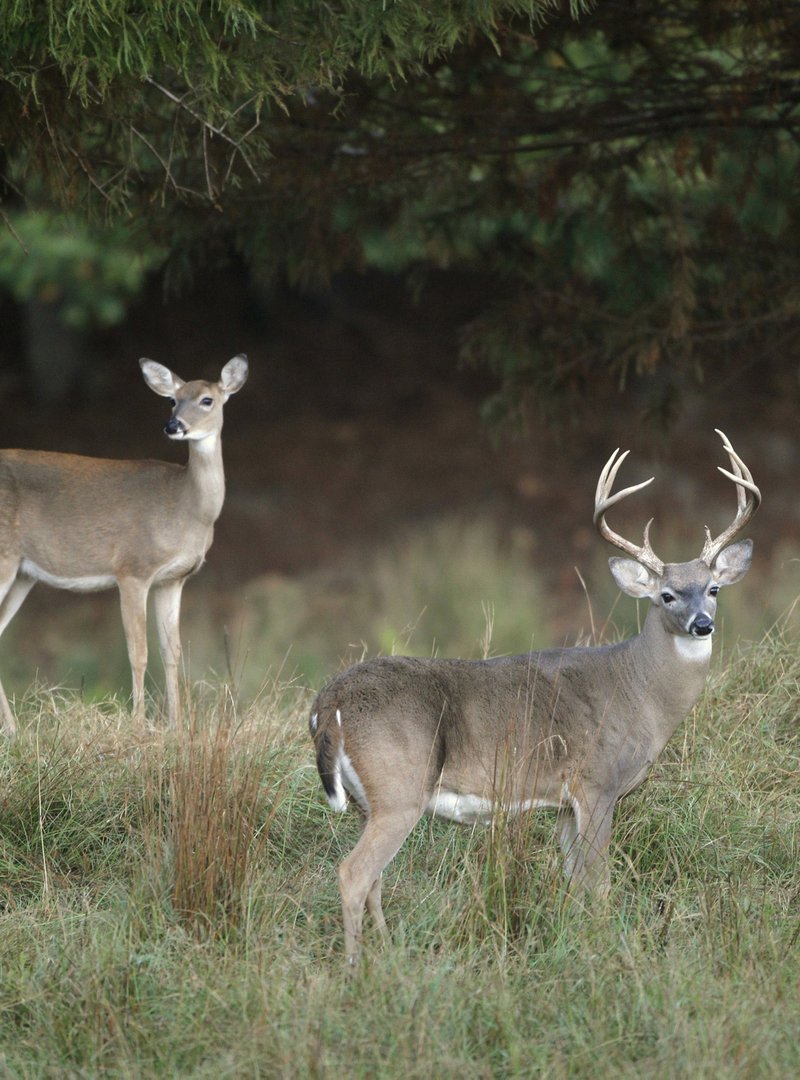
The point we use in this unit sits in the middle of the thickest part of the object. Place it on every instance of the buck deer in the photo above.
(574, 729)
(84, 523)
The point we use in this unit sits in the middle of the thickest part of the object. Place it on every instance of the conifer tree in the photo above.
(624, 173)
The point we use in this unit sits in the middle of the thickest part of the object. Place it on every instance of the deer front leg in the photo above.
(567, 837)
(167, 605)
(7, 720)
(584, 836)
(133, 604)
(13, 592)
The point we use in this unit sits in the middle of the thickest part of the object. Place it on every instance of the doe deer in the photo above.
(574, 729)
(85, 524)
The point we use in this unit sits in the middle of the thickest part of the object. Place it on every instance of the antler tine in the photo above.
(606, 481)
(748, 499)
(743, 478)
(603, 497)
(604, 500)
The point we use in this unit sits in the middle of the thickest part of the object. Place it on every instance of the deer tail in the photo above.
(326, 731)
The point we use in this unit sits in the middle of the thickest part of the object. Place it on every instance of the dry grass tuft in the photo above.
(217, 820)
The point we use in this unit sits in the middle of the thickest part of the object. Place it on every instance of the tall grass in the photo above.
(126, 950)
(216, 819)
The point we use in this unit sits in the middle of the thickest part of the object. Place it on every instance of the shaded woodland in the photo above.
(469, 250)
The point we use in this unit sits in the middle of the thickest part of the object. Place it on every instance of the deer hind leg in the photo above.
(360, 873)
(374, 906)
(167, 606)
(13, 591)
(584, 836)
(133, 604)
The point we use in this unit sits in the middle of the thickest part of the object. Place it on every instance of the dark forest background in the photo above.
(468, 248)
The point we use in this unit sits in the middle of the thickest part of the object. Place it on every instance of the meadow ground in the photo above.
(170, 907)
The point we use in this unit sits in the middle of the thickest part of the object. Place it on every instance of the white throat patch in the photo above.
(693, 648)
(205, 443)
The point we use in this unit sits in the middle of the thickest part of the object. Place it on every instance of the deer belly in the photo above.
(180, 567)
(477, 809)
(77, 583)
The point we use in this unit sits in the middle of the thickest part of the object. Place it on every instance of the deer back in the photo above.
(528, 722)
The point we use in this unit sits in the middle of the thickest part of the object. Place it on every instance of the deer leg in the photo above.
(567, 836)
(374, 906)
(167, 605)
(133, 603)
(360, 873)
(13, 591)
(12, 594)
(584, 841)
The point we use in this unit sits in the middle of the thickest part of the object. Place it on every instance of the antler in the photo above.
(748, 499)
(603, 500)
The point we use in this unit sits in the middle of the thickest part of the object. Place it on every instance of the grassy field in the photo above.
(170, 907)
(433, 590)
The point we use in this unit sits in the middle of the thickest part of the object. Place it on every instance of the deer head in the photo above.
(685, 592)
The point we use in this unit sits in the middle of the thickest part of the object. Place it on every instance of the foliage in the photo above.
(624, 175)
(180, 101)
(692, 968)
(86, 272)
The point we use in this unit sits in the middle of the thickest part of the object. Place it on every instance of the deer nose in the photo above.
(701, 626)
(174, 426)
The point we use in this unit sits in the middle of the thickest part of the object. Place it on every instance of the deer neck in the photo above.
(674, 669)
(206, 478)
(676, 653)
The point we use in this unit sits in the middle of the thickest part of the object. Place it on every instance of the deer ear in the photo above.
(234, 375)
(633, 578)
(159, 378)
(732, 563)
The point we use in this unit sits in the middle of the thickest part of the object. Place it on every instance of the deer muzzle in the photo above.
(701, 626)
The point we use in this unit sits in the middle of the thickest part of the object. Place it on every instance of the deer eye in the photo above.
(207, 401)
(667, 598)
(172, 401)
(713, 590)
